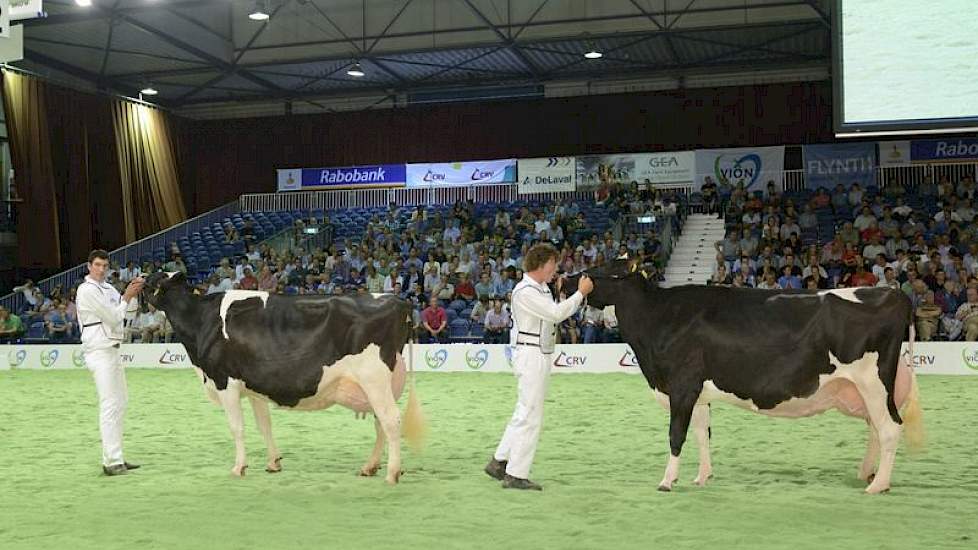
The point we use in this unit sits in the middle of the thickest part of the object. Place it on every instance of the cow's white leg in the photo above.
(680, 414)
(231, 401)
(887, 430)
(868, 468)
(373, 463)
(375, 380)
(264, 420)
(701, 428)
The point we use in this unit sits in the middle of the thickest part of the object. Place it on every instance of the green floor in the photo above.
(779, 483)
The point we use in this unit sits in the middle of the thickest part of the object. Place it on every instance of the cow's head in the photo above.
(612, 282)
(159, 283)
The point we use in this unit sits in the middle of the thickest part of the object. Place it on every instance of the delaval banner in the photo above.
(452, 174)
(944, 150)
(754, 166)
(893, 153)
(312, 179)
(827, 165)
(546, 175)
(658, 168)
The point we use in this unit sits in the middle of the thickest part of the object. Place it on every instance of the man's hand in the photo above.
(134, 288)
(585, 286)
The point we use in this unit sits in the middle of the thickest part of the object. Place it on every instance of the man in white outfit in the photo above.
(101, 315)
(535, 316)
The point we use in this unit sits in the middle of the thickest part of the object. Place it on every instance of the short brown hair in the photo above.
(538, 255)
(98, 254)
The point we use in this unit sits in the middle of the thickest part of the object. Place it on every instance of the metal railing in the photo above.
(402, 196)
(132, 251)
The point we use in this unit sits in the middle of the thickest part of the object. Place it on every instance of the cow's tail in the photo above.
(913, 414)
(414, 425)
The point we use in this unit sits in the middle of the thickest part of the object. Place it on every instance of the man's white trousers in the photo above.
(519, 442)
(113, 396)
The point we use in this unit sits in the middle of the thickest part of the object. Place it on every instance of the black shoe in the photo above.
(496, 468)
(115, 470)
(510, 482)
(132, 466)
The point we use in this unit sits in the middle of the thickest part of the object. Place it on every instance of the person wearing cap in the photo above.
(102, 313)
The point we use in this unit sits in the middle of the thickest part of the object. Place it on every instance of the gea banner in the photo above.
(894, 153)
(461, 173)
(827, 165)
(657, 168)
(752, 166)
(944, 150)
(545, 175)
(311, 179)
(954, 358)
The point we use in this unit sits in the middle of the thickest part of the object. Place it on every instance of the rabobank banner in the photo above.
(461, 173)
(546, 175)
(311, 179)
(653, 168)
(944, 150)
(827, 165)
(752, 166)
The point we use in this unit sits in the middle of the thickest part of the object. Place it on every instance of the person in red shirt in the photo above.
(464, 289)
(861, 277)
(249, 281)
(435, 322)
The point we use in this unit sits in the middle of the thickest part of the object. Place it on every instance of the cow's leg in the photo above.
(231, 401)
(373, 463)
(868, 468)
(680, 414)
(701, 428)
(875, 397)
(264, 420)
(377, 387)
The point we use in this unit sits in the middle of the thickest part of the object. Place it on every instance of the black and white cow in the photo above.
(299, 352)
(791, 353)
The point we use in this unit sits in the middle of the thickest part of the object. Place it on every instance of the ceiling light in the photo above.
(84, 3)
(149, 90)
(356, 70)
(593, 53)
(260, 13)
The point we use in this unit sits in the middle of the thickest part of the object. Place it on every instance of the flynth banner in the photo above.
(657, 168)
(827, 165)
(546, 175)
(944, 150)
(754, 166)
(894, 153)
(461, 173)
(311, 179)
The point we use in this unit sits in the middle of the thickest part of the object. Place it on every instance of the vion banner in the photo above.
(829, 164)
(311, 179)
(546, 175)
(752, 166)
(451, 174)
(944, 150)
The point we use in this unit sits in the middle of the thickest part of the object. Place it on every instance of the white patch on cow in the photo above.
(379, 294)
(232, 296)
(170, 274)
(341, 382)
(834, 391)
(844, 293)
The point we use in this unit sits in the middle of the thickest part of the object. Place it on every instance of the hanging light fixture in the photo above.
(149, 90)
(84, 3)
(356, 71)
(592, 52)
(260, 12)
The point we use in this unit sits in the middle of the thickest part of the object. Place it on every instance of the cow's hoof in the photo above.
(368, 471)
(871, 490)
(274, 466)
(869, 479)
(665, 488)
(701, 479)
(392, 479)
(239, 471)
